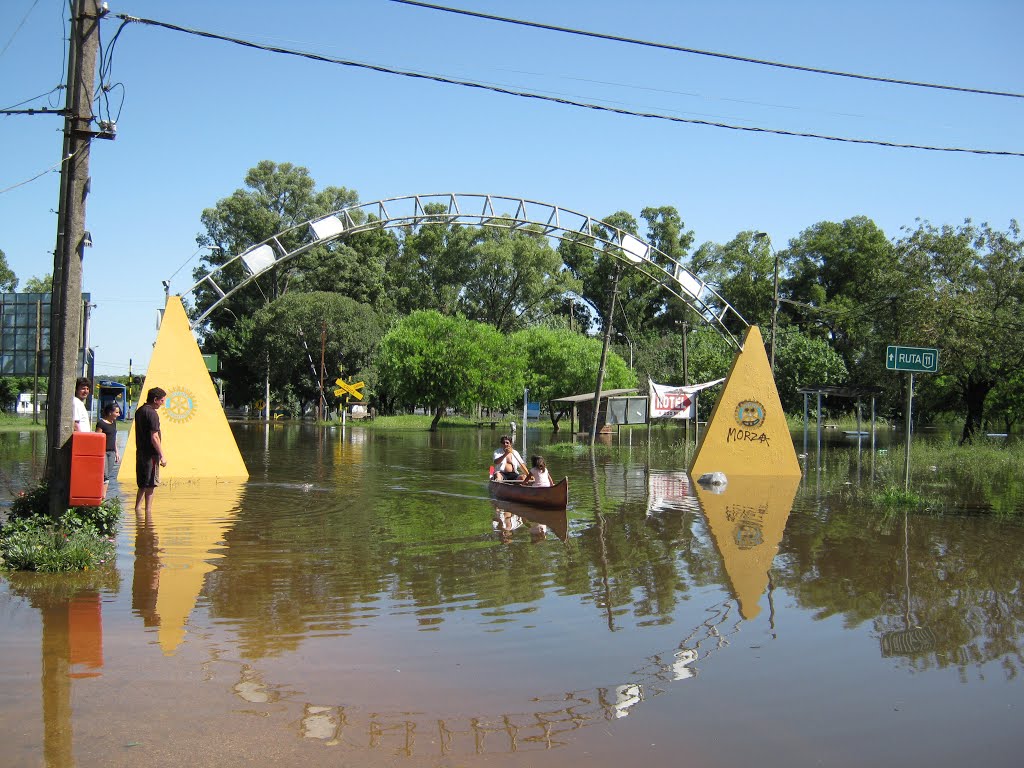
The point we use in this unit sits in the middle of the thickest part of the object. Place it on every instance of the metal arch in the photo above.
(551, 221)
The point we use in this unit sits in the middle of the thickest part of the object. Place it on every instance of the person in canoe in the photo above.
(508, 464)
(539, 475)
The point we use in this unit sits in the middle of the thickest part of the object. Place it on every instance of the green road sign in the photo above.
(913, 359)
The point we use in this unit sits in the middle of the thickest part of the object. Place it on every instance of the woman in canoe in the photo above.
(508, 464)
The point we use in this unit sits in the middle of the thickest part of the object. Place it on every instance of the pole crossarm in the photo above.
(512, 213)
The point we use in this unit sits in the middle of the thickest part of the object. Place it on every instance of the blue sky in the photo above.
(195, 115)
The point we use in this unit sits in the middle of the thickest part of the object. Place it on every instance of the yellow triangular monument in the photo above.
(747, 433)
(197, 440)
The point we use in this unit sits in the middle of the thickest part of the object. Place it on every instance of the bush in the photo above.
(81, 539)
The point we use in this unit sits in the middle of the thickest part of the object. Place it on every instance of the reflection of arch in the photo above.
(551, 220)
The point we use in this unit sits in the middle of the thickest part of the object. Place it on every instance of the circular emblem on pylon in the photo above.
(750, 413)
(180, 405)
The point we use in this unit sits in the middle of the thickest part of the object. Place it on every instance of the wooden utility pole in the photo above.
(604, 355)
(66, 302)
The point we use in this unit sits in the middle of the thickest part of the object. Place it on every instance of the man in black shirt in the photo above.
(149, 454)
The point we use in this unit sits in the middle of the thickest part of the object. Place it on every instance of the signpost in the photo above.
(346, 389)
(912, 360)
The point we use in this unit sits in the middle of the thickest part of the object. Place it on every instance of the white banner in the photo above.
(669, 402)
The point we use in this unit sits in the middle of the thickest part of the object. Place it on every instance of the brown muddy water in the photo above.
(361, 602)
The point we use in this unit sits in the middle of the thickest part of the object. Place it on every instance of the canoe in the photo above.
(551, 497)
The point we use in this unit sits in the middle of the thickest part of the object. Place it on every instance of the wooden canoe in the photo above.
(551, 497)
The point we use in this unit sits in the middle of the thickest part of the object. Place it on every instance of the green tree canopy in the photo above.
(42, 284)
(562, 363)
(438, 361)
(8, 280)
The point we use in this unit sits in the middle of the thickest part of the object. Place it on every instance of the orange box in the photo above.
(88, 457)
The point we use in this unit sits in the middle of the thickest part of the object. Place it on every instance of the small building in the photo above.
(581, 409)
(24, 405)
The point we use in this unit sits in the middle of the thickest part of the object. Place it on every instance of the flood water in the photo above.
(360, 601)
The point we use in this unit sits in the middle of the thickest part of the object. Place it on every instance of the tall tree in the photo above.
(289, 331)
(431, 267)
(438, 361)
(8, 280)
(562, 363)
(42, 284)
(973, 309)
(276, 198)
(514, 278)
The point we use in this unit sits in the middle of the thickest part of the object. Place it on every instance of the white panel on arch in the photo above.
(259, 259)
(327, 227)
(636, 251)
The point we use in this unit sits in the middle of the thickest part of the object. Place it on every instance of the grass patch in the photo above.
(81, 539)
(11, 422)
(893, 496)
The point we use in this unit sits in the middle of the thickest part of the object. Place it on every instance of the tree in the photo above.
(8, 280)
(800, 362)
(438, 361)
(843, 278)
(431, 268)
(744, 271)
(562, 363)
(970, 307)
(353, 331)
(515, 278)
(277, 198)
(39, 284)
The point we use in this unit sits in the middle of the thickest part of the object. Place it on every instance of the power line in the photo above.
(558, 100)
(714, 54)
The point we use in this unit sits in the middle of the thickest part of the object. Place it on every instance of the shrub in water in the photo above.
(82, 539)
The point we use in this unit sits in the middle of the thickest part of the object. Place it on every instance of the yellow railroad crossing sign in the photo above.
(345, 388)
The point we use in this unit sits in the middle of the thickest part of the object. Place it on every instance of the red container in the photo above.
(88, 456)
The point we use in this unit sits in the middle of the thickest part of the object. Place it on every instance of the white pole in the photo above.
(526, 395)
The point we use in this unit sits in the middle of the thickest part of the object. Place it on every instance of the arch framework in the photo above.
(511, 213)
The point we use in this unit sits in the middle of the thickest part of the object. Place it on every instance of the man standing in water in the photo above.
(149, 454)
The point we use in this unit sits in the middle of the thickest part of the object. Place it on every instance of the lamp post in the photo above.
(775, 293)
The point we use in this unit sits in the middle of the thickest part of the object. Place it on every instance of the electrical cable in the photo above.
(714, 54)
(40, 175)
(18, 28)
(559, 100)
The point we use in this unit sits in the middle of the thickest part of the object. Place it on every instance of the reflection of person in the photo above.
(504, 523)
(108, 426)
(149, 453)
(509, 465)
(80, 412)
(538, 532)
(539, 475)
(146, 576)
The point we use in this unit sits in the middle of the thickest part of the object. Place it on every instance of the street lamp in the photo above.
(775, 302)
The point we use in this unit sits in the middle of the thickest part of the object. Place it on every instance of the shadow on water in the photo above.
(361, 593)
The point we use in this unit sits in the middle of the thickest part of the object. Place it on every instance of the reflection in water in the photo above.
(354, 597)
(70, 608)
(747, 518)
(176, 549)
(509, 515)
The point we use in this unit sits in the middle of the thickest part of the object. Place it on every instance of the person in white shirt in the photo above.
(80, 412)
(509, 465)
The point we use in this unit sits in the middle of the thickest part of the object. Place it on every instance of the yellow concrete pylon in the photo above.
(197, 440)
(747, 433)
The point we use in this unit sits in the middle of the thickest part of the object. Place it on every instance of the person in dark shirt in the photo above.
(108, 426)
(149, 452)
